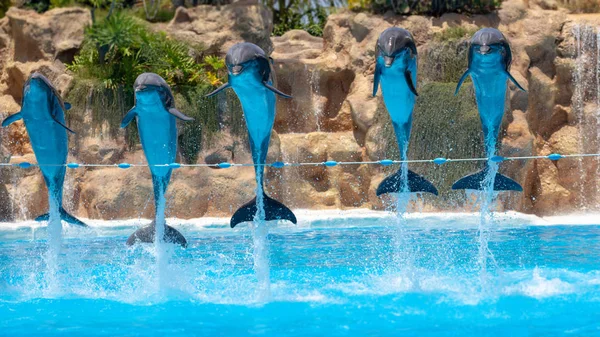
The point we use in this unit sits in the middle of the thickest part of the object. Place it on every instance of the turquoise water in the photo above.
(329, 277)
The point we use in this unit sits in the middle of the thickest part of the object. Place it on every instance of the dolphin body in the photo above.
(251, 78)
(155, 113)
(42, 110)
(396, 70)
(489, 65)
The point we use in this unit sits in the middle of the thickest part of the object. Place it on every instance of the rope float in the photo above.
(329, 163)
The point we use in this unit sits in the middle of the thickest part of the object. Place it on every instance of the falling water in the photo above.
(316, 98)
(52, 256)
(260, 237)
(586, 106)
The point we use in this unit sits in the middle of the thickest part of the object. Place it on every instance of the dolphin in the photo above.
(43, 111)
(396, 71)
(489, 65)
(156, 115)
(251, 78)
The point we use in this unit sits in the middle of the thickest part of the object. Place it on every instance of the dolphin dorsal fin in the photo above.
(11, 119)
(131, 114)
(409, 82)
(460, 82)
(512, 79)
(180, 115)
(219, 89)
(275, 90)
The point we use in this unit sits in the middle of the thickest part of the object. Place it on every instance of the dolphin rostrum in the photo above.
(250, 76)
(43, 112)
(155, 113)
(396, 70)
(489, 65)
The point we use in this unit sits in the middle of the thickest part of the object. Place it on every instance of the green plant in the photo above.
(60, 3)
(453, 33)
(429, 7)
(298, 14)
(4, 5)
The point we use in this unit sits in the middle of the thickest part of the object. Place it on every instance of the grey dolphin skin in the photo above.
(156, 115)
(489, 65)
(251, 77)
(396, 72)
(43, 111)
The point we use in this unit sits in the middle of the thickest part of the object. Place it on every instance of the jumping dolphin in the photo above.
(42, 110)
(250, 76)
(396, 69)
(155, 113)
(489, 65)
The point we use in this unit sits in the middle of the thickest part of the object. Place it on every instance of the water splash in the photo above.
(53, 251)
(317, 103)
(260, 239)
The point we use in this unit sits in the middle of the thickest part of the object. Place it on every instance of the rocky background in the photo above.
(332, 116)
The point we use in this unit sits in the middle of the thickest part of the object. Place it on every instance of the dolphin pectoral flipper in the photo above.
(65, 216)
(63, 125)
(275, 90)
(128, 117)
(409, 82)
(11, 119)
(416, 183)
(476, 181)
(460, 82)
(219, 89)
(146, 234)
(512, 79)
(376, 78)
(180, 115)
(274, 210)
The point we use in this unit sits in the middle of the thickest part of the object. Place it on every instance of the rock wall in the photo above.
(332, 116)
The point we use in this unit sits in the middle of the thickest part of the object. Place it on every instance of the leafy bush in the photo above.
(428, 7)
(310, 16)
(4, 5)
(116, 50)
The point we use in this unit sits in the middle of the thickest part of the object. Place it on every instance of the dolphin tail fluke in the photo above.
(416, 183)
(476, 181)
(65, 216)
(274, 210)
(146, 234)
(11, 119)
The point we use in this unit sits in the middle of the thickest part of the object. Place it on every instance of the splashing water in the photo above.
(260, 240)
(52, 255)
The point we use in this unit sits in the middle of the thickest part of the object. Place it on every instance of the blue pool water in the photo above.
(329, 277)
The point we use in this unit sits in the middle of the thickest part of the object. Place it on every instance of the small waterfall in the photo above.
(317, 102)
(586, 109)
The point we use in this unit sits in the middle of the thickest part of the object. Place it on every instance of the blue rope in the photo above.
(329, 163)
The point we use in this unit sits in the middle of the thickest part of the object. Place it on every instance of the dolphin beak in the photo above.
(484, 49)
(388, 61)
(236, 70)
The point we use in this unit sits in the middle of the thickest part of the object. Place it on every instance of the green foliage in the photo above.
(444, 125)
(453, 33)
(427, 7)
(60, 3)
(310, 16)
(4, 5)
(443, 61)
(118, 49)
(39, 6)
